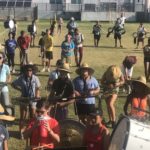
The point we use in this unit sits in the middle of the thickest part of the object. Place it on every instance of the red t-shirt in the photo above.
(23, 42)
(94, 141)
(36, 139)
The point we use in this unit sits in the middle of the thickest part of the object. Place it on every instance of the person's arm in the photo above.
(52, 133)
(121, 82)
(28, 131)
(106, 140)
(17, 84)
(125, 108)
(8, 78)
(5, 145)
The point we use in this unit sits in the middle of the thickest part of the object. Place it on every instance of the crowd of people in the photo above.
(43, 129)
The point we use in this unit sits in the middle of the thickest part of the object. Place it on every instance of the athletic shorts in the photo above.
(117, 36)
(49, 54)
(140, 39)
(97, 37)
(85, 109)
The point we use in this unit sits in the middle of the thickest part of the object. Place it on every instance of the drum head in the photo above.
(34, 28)
(11, 24)
(135, 34)
(71, 133)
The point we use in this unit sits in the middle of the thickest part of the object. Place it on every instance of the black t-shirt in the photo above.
(63, 87)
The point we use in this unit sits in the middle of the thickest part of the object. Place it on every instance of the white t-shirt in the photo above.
(122, 20)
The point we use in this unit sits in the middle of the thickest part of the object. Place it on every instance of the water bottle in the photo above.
(43, 133)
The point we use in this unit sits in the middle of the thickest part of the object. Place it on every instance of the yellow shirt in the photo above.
(48, 42)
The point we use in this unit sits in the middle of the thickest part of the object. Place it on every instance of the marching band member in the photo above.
(62, 87)
(43, 130)
(141, 31)
(138, 99)
(146, 51)
(59, 27)
(96, 136)
(111, 80)
(10, 46)
(86, 87)
(29, 86)
(23, 43)
(33, 33)
(97, 33)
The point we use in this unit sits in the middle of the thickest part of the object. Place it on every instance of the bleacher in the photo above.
(15, 3)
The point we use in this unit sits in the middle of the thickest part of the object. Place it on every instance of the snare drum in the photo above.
(130, 134)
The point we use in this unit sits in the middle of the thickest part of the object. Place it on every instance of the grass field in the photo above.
(98, 58)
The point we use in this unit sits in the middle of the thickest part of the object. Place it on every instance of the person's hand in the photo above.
(111, 86)
(47, 127)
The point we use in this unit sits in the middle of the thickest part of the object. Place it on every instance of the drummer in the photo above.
(96, 136)
(62, 87)
(141, 31)
(86, 88)
(29, 86)
(138, 99)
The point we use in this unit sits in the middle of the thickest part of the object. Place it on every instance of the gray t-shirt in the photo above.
(28, 85)
(3, 136)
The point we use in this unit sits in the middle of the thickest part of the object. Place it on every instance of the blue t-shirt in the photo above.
(3, 136)
(4, 72)
(67, 48)
(28, 86)
(10, 46)
(79, 86)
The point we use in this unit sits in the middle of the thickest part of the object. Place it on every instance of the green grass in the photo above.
(98, 58)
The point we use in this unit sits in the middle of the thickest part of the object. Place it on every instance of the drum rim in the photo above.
(114, 130)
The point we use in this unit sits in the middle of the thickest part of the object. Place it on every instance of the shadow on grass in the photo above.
(14, 134)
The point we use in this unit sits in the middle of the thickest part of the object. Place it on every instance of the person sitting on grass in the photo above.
(96, 136)
(42, 130)
(4, 135)
(138, 99)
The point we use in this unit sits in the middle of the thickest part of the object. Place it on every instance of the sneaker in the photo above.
(48, 69)
(13, 71)
(43, 70)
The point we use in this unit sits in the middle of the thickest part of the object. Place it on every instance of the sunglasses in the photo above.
(40, 111)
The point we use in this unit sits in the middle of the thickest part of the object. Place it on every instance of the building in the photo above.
(104, 10)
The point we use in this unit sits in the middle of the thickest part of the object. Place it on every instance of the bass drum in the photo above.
(71, 133)
(130, 134)
(9, 24)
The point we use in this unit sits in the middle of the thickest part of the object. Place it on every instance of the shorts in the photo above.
(140, 40)
(146, 59)
(49, 55)
(85, 109)
(117, 36)
(97, 37)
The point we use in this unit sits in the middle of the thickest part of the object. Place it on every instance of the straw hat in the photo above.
(5, 117)
(141, 80)
(65, 68)
(85, 66)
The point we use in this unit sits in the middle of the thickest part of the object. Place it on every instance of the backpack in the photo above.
(129, 61)
(112, 74)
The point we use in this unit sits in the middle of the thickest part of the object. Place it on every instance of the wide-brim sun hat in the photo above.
(141, 80)
(65, 68)
(83, 67)
(5, 117)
